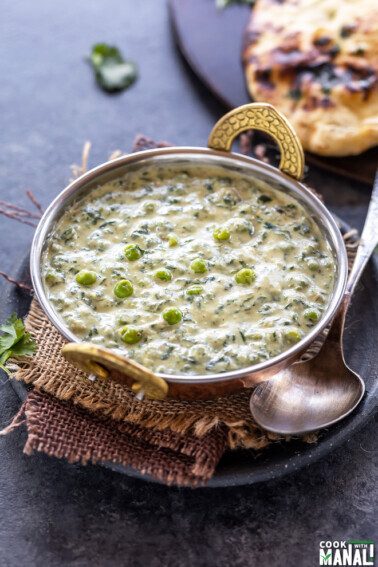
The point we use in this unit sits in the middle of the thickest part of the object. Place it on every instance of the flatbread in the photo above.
(317, 62)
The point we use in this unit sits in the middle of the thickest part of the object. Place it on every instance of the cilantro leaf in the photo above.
(14, 341)
(112, 72)
(25, 346)
(13, 330)
(4, 357)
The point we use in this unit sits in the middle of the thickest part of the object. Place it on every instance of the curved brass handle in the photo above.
(107, 365)
(264, 117)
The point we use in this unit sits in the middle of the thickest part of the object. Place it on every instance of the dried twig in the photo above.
(247, 147)
(142, 143)
(260, 151)
(246, 142)
(115, 155)
(21, 214)
(13, 215)
(84, 157)
(19, 211)
(15, 282)
(76, 169)
(35, 202)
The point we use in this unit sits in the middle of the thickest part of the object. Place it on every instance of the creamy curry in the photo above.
(188, 272)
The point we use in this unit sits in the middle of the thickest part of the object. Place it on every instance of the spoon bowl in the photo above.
(307, 396)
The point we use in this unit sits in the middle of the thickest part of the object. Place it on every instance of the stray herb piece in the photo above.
(346, 31)
(359, 52)
(295, 93)
(14, 341)
(264, 199)
(112, 72)
(224, 3)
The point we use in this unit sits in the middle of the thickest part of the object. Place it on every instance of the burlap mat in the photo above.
(62, 430)
(69, 416)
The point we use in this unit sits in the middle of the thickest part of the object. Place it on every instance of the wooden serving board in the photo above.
(210, 40)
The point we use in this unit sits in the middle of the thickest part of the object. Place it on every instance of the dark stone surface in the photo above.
(55, 514)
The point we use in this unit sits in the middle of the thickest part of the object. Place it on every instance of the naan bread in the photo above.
(317, 62)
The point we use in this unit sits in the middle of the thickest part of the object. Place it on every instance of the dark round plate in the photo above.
(247, 467)
(210, 39)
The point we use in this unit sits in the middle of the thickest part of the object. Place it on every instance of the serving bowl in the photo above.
(106, 364)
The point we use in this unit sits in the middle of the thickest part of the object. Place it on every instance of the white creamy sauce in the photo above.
(269, 271)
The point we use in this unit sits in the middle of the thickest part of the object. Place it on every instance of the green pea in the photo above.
(199, 266)
(149, 206)
(313, 264)
(245, 276)
(52, 277)
(312, 315)
(164, 275)
(133, 252)
(85, 277)
(298, 281)
(172, 315)
(221, 233)
(124, 288)
(301, 284)
(172, 240)
(256, 336)
(294, 335)
(285, 246)
(195, 290)
(131, 335)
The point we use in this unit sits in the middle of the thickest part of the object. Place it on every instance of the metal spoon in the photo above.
(317, 393)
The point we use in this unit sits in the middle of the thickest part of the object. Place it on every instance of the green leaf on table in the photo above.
(13, 330)
(224, 3)
(14, 340)
(24, 346)
(112, 72)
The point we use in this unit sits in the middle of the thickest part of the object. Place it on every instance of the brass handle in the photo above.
(264, 117)
(107, 365)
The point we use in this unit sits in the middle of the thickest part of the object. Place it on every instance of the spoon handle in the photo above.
(368, 241)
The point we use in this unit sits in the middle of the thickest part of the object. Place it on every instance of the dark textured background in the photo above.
(54, 514)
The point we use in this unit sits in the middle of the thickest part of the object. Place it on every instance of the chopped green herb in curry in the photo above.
(189, 271)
